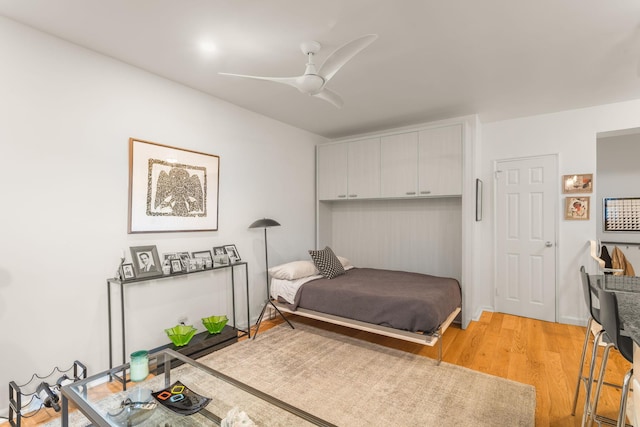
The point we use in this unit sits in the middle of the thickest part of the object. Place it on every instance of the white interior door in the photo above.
(526, 216)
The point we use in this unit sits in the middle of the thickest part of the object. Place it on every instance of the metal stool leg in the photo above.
(581, 377)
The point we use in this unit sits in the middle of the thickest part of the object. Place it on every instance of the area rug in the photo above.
(350, 382)
(347, 382)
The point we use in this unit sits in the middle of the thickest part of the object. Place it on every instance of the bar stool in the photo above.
(594, 316)
(611, 324)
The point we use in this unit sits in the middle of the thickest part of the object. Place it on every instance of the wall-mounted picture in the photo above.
(146, 262)
(171, 189)
(576, 208)
(478, 200)
(176, 266)
(621, 214)
(233, 253)
(126, 272)
(577, 183)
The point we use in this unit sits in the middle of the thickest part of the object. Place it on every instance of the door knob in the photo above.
(548, 244)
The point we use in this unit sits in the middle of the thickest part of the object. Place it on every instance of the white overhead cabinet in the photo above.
(349, 170)
(399, 165)
(422, 164)
(332, 172)
(440, 161)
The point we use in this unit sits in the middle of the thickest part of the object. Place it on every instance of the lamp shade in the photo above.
(264, 223)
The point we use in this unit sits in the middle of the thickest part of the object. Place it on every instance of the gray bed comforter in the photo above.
(401, 300)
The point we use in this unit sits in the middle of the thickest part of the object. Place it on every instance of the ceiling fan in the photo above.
(313, 81)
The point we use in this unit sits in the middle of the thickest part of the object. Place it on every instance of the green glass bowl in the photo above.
(180, 335)
(215, 324)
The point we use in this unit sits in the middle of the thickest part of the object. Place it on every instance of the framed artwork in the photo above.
(146, 262)
(576, 208)
(171, 189)
(233, 253)
(621, 213)
(126, 272)
(176, 266)
(219, 250)
(577, 183)
(478, 200)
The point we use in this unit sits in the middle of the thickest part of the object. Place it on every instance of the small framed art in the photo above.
(146, 262)
(576, 208)
(577, 183)
(176, 266)
(126, 272)
(234, 255)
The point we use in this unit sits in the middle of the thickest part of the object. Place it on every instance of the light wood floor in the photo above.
(543, 354)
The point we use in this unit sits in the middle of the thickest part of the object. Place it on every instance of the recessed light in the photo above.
(208, 47)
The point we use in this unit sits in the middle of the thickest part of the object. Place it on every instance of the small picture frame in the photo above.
(232, 251)
(219, 250)
(126, 272)
(176, 266)
(205, 257)
(184, 258)
(577, 208)
(146, 262)
(582, 183)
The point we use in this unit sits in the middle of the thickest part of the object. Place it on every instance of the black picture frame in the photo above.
(176, 266)
(157, 199)
(142, 269)
(478, 200)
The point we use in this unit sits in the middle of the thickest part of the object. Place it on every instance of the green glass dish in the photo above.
(180, 335)
(215, 324)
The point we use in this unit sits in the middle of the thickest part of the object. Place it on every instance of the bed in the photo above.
(409, 306)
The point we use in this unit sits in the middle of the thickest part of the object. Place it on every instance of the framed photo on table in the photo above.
(146, 262)
(171, 189)
(232, 251)
(126, 272)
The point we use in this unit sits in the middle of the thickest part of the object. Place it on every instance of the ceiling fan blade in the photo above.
(291, 81)
(343, 54)
(330, 96)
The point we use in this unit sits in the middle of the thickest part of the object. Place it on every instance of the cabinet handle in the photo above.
(425, 192)
(410, 193)
(341, 196)
(353, 195)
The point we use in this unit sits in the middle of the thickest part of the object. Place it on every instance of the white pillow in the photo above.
(345, 262)
(294, 270)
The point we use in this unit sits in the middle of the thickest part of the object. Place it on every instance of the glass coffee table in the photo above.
(190, 394)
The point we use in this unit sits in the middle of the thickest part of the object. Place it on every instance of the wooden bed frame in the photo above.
(415, 337)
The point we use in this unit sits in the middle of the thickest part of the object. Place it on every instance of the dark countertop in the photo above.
(628, 302)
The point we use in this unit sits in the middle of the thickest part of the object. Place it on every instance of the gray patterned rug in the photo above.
(351, 382)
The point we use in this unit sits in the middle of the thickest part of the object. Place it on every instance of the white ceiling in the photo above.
(433, 59)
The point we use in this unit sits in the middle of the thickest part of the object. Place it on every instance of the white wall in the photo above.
(66, 115)
(571, 135)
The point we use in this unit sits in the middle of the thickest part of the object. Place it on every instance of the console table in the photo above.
(123, 283)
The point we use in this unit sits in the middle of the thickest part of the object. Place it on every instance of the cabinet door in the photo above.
(332, 172)
(364, 169)
(440, 161)
(399, 165)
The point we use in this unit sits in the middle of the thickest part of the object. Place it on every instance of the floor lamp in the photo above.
(267, 223)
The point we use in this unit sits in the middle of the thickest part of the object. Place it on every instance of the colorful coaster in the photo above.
(180, 399)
